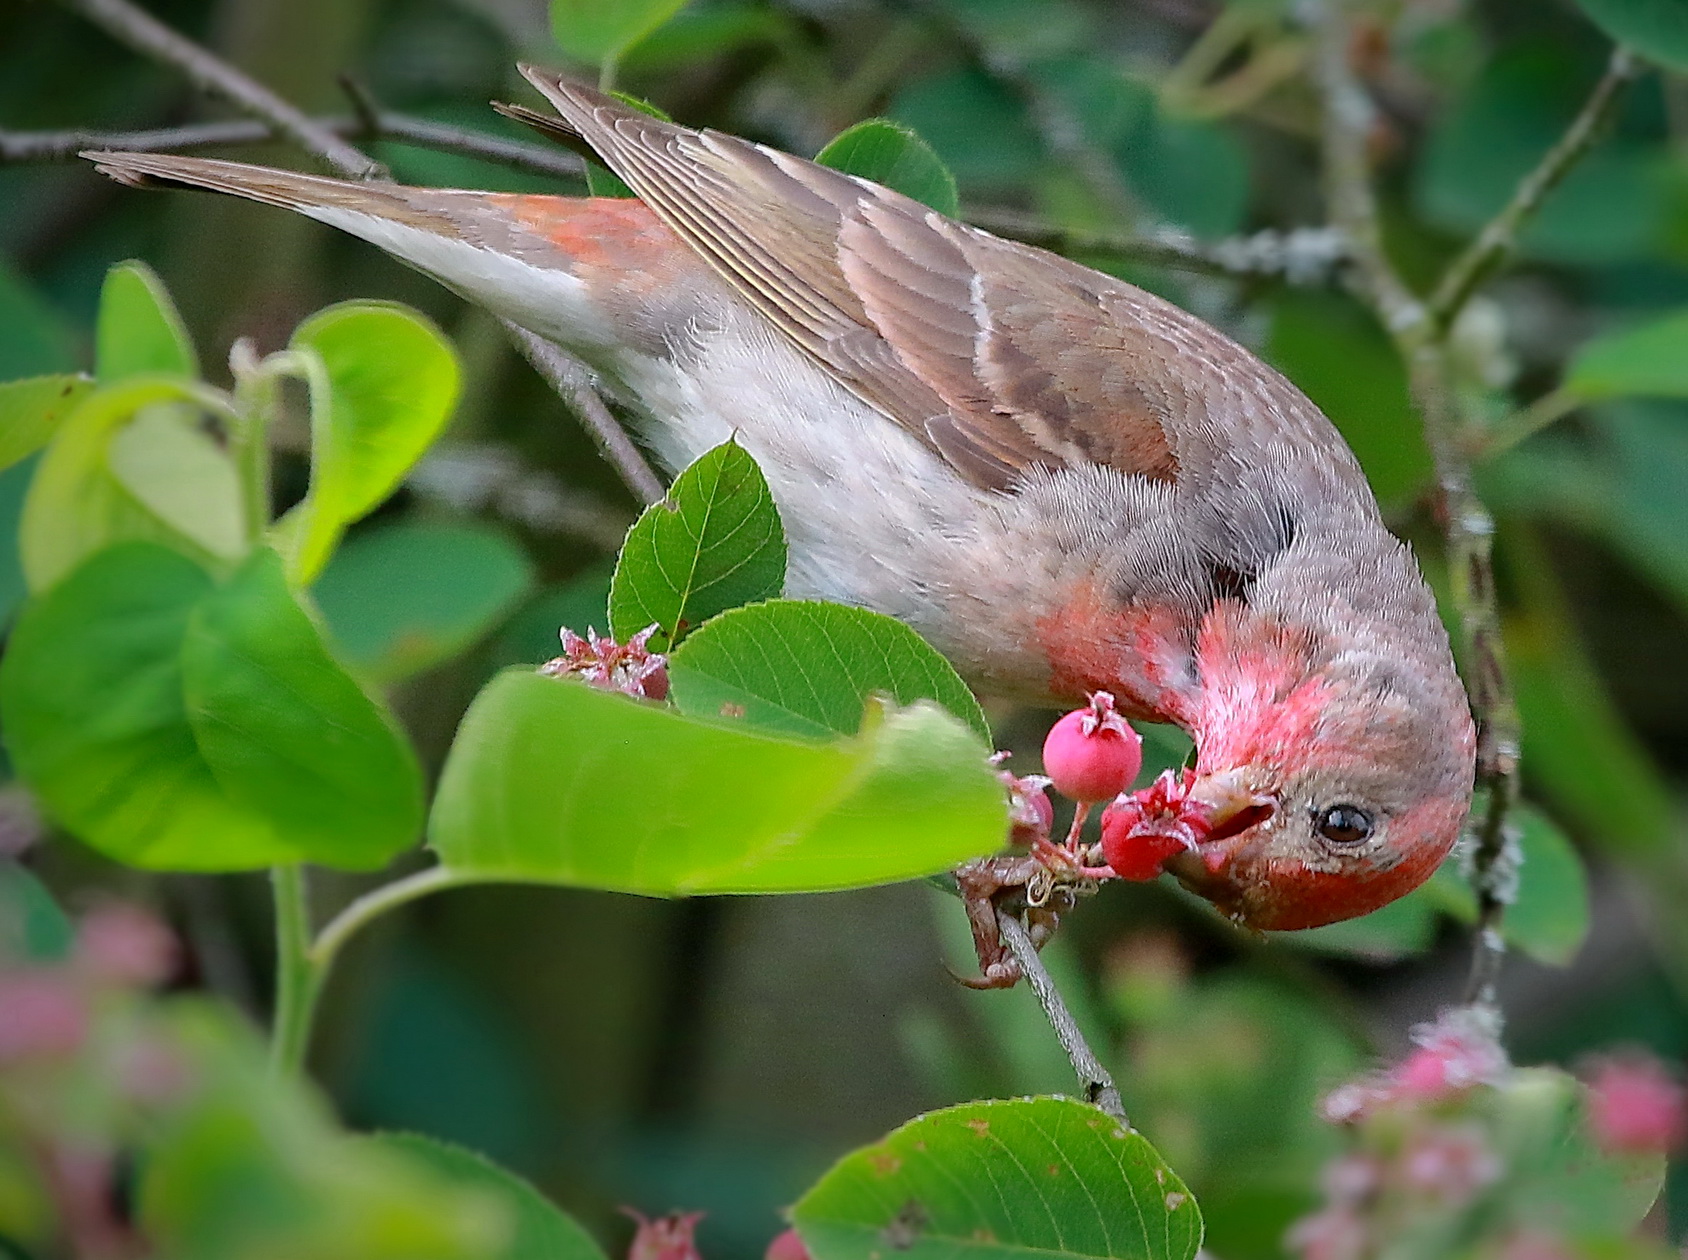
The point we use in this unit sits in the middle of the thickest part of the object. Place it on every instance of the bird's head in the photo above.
(1327, 782)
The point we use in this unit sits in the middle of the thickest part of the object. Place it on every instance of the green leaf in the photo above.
(139, 331)
(892, 154)
(1651, 359)
(581, 603)
(952, 110)
(552, 781)
(174, 725)
(1657, 29)
(31, 409)
(176, 471)
(601, 30)
(1344, 361)
(403, 598)
(1030, 1177)
(32, 927)
(808, 668)
(540, 1230)
(714, 543)
(287, 733)
(91, 705)
(77, 504)
(249, 1166)
(1549, 917)
(383, 384)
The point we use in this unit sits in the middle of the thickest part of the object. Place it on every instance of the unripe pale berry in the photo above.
(1091, 754)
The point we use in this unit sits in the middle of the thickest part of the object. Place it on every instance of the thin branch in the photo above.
(568, 376)
(146, 34)
(63, 146)
(1303, 256)
(1500, 234)
(372, 905)
(1468, 529)
(1098, 1085)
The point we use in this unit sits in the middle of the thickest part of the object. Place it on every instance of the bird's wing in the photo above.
(999, 356)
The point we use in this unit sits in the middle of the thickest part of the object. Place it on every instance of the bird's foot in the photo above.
(1040, 886)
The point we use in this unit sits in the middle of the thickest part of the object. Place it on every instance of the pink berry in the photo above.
(1092, 754)
(787, 1246)
(671, 1237)
(1134, 853)
(1635, 1107)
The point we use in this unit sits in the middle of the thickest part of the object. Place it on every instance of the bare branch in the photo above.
(1304, 256)
(63, 146)
(568, 376)
(146, 34)
(1098, 1085)
(1468, 529)
(1500, 234)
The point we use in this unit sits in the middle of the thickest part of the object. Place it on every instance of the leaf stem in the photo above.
(372, 905)
(1098, 1085)
(298, 977)
(1514, 428)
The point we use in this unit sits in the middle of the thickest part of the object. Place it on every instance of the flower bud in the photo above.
(1092, 754)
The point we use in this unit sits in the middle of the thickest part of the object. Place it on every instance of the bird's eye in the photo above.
(1345, 824)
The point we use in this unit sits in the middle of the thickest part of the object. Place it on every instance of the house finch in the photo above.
(1064, 483)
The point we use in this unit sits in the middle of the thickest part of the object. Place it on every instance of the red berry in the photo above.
(787, 1246)
(1134, 853)
(1091, 754)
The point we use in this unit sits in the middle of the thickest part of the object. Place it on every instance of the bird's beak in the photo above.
(1222, 806)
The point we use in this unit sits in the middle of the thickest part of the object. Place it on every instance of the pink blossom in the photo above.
(670, 1237)
(1635, 1106)
(40, 1016)
(123, 944)
(1336, 1233)
(629, 667)
(1449, 1164)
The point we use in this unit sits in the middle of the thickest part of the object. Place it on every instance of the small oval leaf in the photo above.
(714, 543)
(287, 732)
(1657, 29)
(383, 383)
(552, 781)
(403, 598)
(139, 332)
(1650, 359)
(891, 154)
(1032, 1177)
(600, 31)
(805, 667)
(31, 409)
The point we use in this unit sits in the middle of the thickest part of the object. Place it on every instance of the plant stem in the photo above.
(372, 905)
(1500, 234)
(1514, 428)
(298, 977)
(146, 34)
(61, 146)
(1098, 1085)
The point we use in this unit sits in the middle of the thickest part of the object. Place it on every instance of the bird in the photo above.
(1065, 483)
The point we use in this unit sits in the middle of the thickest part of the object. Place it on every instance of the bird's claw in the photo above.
(1038, 886)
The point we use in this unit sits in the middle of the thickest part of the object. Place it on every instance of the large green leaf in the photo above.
(32, 927)
(403, 598)
(808, 668)
(31, 409)
(1026, 1178)
(79, 502)
(552, 781)
(601, 30)
(286, 731)
(176, 725)
(539, 1229)
(714, 543)
(139, 331)
(383, 383)
(1655, 28)
(91, 703)
(1650, 359)
(246, 1165)
(892, 154)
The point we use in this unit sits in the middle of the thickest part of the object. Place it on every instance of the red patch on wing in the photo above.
(612, 233)
(1140, 655)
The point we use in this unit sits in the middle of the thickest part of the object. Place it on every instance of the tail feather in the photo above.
(287, 189)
